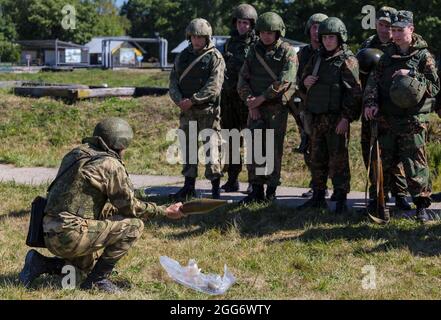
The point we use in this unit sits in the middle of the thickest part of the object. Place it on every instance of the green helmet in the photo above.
(115, 132)
(270, 21)
(368, 59)
(198, 27)
(406, 92)
(245, 11)
(335, 26)
(315, 18)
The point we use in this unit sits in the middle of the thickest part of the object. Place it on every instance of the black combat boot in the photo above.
(36, 264)
(215, 189)
(99, 278)
(341, 205)
(257, 195)
(318, 201)
(422, 203)
(187, 192)
(402, 204)
(232, 184)
(270, 193)
(304, 144)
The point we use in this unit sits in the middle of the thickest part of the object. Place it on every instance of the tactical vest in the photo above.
(72, 192)
(325, 96)
(260, 80)
(198, 76)
(389, 66)
(236, 49)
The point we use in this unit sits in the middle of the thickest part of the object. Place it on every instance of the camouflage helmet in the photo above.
(315, 18)
(246, 12)
(198, 27)
(368, 59)
(115, 132)
(270, 21)
(335, 26)
(406, 92)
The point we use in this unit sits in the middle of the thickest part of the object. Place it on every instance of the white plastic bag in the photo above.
(191, 276)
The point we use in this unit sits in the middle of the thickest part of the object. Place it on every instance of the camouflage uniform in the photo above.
(92, 207)
(234, 112)
(398, 184)
(329, 151)
(402, 132)
(255, 81)
(202, 85)
(335, 96)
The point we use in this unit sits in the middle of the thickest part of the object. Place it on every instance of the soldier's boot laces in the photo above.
(187, 192)
(98, 278)
(318, 201)
(257, 195)
(270, 194)
(401, 203)
(36, 264)
(215, 188)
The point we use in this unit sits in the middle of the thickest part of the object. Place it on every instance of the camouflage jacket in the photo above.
(349, 82)
(425, 71)
(374, 42)
(254, 80)
(235, 50)
(203, 83)
(96, 178)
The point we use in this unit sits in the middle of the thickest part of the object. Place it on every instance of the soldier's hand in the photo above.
(401, 72)
(174, 211)
(310, 81)
(370, 113)
(255, 102)
(342, 127)
(255, 114)
(185, 104)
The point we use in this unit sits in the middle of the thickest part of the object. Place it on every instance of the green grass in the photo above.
(274, 252)
(96, 77)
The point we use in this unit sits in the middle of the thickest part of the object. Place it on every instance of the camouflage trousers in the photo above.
(234, 115)
(329, 154)
(206, 118)
(80, 241)
(398, 183)
(404, 140)
(274, 116)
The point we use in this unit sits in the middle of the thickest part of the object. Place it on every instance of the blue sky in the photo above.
(120, 2)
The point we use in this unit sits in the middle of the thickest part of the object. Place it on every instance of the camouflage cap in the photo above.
(402, 19)
(386, 14)
(115, 132)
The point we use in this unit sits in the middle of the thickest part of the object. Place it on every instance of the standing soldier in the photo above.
(91, 207)
(267, 74)
(195, 86)
(332, 86)
(395, 96)
(311, 30)
(381, 40)
(234, 112)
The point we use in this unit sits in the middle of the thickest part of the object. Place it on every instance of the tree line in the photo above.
(41, 19)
